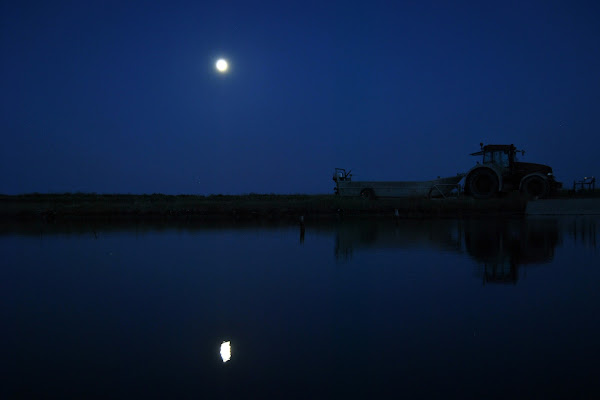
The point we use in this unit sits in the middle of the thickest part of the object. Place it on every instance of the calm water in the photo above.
(418, 309)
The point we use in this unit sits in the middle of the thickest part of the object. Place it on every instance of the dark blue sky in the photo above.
(117, 96)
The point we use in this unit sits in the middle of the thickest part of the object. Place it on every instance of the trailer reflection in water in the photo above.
(501, 247)
(405, 234)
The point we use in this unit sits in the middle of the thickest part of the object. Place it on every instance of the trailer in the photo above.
(440, 187)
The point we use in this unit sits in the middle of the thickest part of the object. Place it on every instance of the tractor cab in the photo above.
(500, 155)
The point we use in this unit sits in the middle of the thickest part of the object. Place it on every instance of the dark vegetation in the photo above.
(577, 194)
(251, 206)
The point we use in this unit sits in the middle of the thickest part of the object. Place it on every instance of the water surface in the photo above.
(473, 308)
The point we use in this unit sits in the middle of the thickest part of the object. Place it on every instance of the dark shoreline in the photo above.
(91, 206)
(252, 206)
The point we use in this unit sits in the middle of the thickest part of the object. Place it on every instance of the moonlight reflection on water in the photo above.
(226, 351)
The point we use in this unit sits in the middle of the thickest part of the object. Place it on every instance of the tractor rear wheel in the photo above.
(535, 187)
(482, 184)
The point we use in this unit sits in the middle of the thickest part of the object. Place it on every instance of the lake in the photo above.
(481, 308)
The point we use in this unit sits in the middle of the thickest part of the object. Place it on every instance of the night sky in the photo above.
(124, 97)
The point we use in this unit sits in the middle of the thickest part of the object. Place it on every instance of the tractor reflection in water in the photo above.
(502, 247)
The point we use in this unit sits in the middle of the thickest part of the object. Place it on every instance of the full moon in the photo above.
(222, 65)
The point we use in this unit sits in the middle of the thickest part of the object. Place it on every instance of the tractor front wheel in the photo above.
(535, 187)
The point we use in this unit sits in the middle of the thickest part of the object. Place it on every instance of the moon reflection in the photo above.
(226, 351)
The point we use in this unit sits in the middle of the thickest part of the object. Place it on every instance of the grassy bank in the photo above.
(86, 205)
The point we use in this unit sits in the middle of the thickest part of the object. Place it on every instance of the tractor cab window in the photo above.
(496, 157)
(502, 158)
(488, 157)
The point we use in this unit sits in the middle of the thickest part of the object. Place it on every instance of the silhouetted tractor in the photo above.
(501, 172)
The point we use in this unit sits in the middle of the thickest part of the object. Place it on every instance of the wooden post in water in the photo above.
(301, 229)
